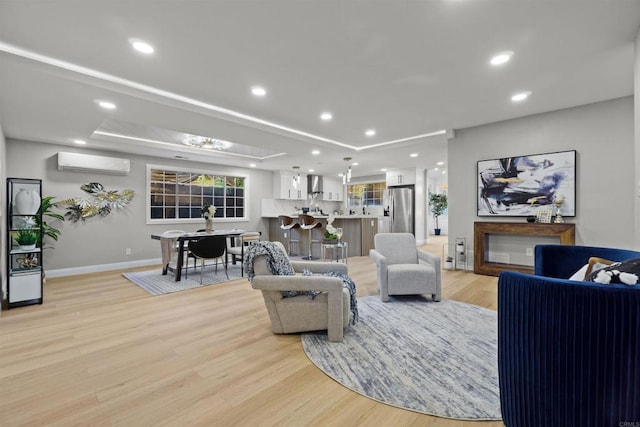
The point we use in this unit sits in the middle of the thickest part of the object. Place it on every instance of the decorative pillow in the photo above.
(594, 264)
(580, 274)
(626, 272)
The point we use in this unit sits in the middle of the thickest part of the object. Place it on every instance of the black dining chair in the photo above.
(209, 247)
(189, 254)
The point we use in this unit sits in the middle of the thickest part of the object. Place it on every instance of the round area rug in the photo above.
(437, 358)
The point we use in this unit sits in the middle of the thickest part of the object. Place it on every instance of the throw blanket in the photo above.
(279, 264)
(277, 260)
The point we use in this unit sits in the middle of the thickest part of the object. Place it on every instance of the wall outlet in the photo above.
(127, 251)
(529, 251)
(285, 234)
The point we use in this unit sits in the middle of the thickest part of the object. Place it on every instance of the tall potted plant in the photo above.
(438, 204)
(46, 207)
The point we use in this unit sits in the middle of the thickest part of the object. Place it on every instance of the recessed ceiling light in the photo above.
(520, 96)
(413, 155)
(311, 170)
(252, 165)
(258, 91)
(435, 169)
(80, 141)
(383, 169)
(107, 105)
(370, 132)
(315, 152)
(141, 46)
(355, 164)
(440, 163)
(443, 172)
(501, 58)
(326, 116)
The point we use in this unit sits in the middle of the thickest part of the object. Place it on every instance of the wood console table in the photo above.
(482, 230)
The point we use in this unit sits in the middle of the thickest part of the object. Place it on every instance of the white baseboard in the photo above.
(101, 267)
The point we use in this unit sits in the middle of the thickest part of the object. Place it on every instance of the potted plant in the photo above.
(27, 238)
(448, 263)
(438, 204)
(46, 208)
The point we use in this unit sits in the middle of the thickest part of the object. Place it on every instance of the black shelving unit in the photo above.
(24, 219)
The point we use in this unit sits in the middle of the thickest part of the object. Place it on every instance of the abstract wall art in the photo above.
(100, 202)
(519, 186)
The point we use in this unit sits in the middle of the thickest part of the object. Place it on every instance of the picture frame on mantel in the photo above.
(520, 186)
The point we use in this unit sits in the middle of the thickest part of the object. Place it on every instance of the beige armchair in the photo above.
(329, 310)
(402, 268)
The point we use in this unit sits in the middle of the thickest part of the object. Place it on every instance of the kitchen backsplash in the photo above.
(275, 207)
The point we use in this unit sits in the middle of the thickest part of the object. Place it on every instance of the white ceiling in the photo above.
(405, 68)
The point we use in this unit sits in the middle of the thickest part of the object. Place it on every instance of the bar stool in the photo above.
(287, 224)
(307, 222)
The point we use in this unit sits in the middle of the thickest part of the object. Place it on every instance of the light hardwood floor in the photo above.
(101, 351)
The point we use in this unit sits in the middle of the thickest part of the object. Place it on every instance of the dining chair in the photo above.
(243, 240)
(170, 246)
(189, 254)
(209, 247)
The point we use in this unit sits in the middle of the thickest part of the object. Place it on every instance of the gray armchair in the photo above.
(329, 310)
(402, 268)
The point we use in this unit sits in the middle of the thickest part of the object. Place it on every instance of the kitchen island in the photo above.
(358, 231)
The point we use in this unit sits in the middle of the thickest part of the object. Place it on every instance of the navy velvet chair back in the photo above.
(568, 351)
(564, 260)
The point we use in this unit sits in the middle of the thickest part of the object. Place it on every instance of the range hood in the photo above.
(315, 184)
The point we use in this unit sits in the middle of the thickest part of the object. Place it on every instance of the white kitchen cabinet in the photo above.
(285, 189)
(332, 191)
(401, 177)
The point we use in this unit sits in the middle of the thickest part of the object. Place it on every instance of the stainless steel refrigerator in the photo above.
(398, 211)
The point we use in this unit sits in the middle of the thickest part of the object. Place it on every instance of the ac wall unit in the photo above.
(77, 162)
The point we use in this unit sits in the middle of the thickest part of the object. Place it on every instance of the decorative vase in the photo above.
(208, 226)
(27, 202)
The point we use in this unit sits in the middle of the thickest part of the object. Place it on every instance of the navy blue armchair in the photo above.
(568, 351)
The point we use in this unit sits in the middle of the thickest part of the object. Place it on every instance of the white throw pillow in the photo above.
(579, 275)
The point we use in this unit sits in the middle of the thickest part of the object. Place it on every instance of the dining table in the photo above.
(169, 241)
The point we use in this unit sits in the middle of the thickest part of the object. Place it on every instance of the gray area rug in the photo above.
(434, 358)
(155, 283)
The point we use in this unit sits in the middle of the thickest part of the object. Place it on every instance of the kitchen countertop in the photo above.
(360, 216)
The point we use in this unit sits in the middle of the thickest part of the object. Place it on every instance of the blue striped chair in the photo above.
(568, 351)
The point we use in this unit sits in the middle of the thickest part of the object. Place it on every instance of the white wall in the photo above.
(3, 214)
(421, 207)
(603, 135)
(102, 240)
(637, 135)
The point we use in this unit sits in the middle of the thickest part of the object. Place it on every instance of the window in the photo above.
(360, 195)
(177, 196)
